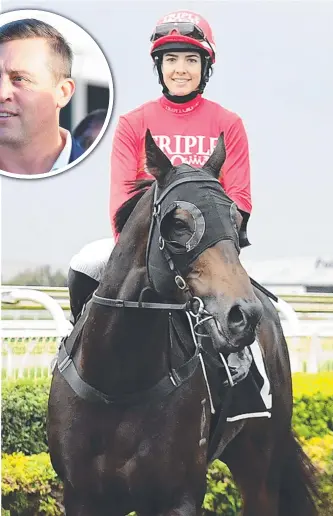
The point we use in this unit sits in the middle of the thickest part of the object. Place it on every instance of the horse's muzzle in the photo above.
(242, 321)
(237, 328)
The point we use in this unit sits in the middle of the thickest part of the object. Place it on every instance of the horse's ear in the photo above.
(214, 164)
(157, 162)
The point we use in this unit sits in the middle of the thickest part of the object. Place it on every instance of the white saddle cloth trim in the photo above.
(248, 416)
(265, 390)
(92, 258)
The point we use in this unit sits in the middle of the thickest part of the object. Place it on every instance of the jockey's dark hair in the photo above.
(139, 188)
(30, 28)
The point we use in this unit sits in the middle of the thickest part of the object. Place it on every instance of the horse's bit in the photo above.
(179, 257)
(194, 307)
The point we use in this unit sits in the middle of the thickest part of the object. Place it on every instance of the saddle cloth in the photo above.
(252, 398)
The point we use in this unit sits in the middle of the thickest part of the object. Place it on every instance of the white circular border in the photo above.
(35, 13)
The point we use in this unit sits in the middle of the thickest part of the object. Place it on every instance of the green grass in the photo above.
(28, 372)
(43, 372)
(20, 345)
(326, 367)
(305, 342)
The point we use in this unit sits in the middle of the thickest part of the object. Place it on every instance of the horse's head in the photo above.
(193, 247)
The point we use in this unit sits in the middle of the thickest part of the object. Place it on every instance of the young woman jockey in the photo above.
(185, 126)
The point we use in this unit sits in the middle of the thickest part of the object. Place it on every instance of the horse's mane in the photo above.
(139, 187)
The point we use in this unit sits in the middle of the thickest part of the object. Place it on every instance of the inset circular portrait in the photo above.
(56, 94)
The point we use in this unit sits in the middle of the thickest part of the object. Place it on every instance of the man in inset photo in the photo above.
(35, 84)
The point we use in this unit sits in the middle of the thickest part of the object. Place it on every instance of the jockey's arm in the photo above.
(125, 158)
(235, 174)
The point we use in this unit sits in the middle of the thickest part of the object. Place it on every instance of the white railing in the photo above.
(46, 334)
(19, 294)
(15, 364)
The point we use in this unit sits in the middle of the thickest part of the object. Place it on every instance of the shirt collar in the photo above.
(186, 107)
(63, 158)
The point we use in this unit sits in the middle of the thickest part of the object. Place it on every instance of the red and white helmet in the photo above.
(182, 30)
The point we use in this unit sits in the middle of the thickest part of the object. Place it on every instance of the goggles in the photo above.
(183, 28)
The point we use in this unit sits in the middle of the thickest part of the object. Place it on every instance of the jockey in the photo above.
(184, 125)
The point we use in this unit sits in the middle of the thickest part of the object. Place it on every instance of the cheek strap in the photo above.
(243, 239)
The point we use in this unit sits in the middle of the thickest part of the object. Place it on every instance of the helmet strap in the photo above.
(182, 99)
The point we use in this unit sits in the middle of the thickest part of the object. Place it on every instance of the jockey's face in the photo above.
(181, 72)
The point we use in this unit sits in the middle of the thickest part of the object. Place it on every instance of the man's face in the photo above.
(28, 100)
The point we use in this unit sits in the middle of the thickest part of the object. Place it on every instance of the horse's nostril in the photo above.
(236, 319)
(243, 317)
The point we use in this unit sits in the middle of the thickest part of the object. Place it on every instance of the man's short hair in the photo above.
(29, 28)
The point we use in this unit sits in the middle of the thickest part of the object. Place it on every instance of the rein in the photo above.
(169, 383)
(194, 309)
(121, 303)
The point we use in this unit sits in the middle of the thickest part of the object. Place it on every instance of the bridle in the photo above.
(193, 307)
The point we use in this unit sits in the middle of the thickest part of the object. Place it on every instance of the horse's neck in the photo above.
(124, 349)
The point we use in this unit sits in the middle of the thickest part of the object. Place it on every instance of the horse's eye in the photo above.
(179, 224)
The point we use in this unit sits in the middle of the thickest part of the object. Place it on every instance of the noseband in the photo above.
(158, 247)
(176, 259)
(169, 259)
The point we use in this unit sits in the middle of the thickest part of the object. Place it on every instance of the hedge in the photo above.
(30, 486)
(313, 404)
(320, 451)
(24, 407)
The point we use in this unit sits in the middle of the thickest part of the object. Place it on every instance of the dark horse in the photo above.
(131, 417)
